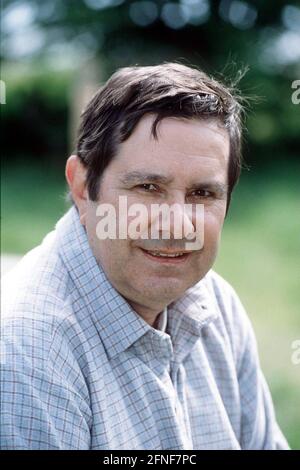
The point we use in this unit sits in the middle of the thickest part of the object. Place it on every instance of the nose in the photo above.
(174, 219)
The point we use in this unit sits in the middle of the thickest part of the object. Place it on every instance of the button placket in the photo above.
(177, 380)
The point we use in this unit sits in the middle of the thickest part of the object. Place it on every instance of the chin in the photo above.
(165, 290)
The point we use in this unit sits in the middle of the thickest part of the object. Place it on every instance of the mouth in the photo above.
(167, 257)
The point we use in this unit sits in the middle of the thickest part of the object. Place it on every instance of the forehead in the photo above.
(183, 146)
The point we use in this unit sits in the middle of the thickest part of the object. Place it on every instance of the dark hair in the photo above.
(166, 90)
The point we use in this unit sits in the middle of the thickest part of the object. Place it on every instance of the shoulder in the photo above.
(232, 317)
(225, 297)
(42, 342)
(35, 304)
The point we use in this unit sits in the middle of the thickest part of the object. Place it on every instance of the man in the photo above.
(133, 342)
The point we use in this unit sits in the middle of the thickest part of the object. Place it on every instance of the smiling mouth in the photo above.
(169, 257)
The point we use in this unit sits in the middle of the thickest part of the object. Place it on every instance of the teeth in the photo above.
(164, 255)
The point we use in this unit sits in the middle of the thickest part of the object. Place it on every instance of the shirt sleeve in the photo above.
(41, 406)
(259, 428)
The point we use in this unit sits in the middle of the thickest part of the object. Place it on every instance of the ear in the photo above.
(76, 177)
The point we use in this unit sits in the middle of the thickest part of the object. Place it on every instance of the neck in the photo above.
(150, 316)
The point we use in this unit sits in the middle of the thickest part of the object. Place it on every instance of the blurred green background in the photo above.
(55, 53)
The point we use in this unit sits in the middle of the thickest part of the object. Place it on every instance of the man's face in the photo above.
(190, 161)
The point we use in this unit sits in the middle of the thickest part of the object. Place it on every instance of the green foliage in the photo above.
(35, 117)
(38, 97)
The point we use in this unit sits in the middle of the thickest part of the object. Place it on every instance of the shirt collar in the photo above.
(163, 318)
(118, 325)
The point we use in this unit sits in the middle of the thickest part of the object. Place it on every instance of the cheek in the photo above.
(213, 223)
(113, 256)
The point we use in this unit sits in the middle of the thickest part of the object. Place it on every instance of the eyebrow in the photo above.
(138, 177)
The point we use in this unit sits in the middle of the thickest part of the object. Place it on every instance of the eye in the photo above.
(149, 187)
(201, 193)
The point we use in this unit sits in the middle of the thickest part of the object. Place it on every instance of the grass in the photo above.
(259, 256)
(32, 200)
